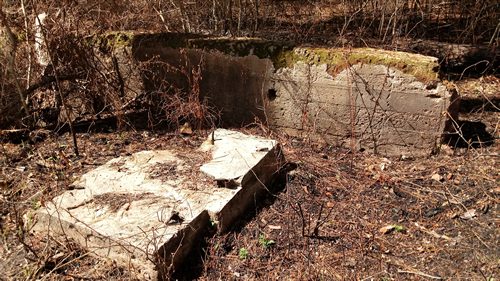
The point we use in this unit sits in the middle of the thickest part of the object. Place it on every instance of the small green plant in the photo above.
(264, 242)
(35, 205)
(399, 228)
(243, 254)
(29, 220)
(213, 223)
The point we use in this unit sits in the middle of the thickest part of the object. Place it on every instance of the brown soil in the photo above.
(342, 215)
(332, 222)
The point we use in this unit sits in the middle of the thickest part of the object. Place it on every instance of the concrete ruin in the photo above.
(386, 102)
(148, 211)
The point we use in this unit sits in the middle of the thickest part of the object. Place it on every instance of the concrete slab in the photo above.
(149, 210)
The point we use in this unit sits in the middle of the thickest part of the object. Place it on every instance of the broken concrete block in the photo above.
(149, 210)
(375, 106)
(252, 163)
(386, 102)
(234, 153)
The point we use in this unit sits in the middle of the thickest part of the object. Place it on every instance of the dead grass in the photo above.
(325, 225)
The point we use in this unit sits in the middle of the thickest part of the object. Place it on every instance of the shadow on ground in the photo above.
(470, 134)
(193, 268)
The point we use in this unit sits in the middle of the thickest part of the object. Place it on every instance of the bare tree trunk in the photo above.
(382, 21)
(26, 27)
(229, 16)
(63, 101)
(215, 16)
(240, 12)
(395, 20)
(186, 23)
(10, 52)
(494, 37)
(40, 46)
(256, 26)
(159, 11)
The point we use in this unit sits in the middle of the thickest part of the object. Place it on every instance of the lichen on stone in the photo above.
(424, 68)
(239, 47)
(337, 59)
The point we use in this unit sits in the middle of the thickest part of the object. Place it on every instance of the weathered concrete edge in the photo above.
(282, 54)
(96, 243)
(171, 255)
(253, 187)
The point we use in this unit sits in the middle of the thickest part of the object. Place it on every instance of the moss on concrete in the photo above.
(282, 55)
(112, 40)
(123, 39)
(337, 59)
(423, 68)
(240, 47)
(172, 40)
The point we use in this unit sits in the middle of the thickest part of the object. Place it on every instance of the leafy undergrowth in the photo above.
(342, 215)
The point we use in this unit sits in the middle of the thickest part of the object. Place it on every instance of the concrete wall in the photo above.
(368, 107)
(232, 85)
(385, 102)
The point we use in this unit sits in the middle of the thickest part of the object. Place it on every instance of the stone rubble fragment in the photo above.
(147, 212)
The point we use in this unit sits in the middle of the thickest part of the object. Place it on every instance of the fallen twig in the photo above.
(432, 232)
(421, 274)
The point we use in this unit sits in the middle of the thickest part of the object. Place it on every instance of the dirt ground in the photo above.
(342, 215)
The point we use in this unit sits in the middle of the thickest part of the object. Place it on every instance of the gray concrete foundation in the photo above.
(391, 103)
(147, 211)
